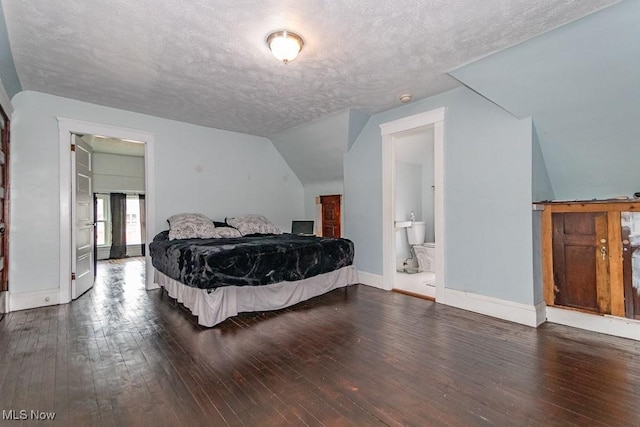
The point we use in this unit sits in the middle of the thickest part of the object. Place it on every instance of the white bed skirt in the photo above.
(227, 301)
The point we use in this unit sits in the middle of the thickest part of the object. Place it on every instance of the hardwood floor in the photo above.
(120, 355)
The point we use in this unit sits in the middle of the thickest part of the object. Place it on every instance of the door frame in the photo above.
(430, 119)
(66, 128)
(5, 103)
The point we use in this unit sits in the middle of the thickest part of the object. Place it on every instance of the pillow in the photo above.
(225, 232)
(190, 226)
(253, 224)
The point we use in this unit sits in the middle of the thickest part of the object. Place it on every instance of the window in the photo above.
(133, 220)
(103, 220)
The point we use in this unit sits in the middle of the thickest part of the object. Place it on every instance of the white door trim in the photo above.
(434, 118)
(66, 127)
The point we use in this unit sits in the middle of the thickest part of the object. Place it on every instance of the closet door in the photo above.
(330, 215)
(581, 261)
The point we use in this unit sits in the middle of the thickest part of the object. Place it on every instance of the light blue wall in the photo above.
(197, 169)
(408, 193)
(580, 85)
(488, 174)
(314, 151)
(357, 121)
(541, 184)
(311, 191)
(8, 74)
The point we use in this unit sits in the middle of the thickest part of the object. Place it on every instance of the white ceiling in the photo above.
(101, 144)
(206, 61)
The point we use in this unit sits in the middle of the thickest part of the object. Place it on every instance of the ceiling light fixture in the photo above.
(285, 45)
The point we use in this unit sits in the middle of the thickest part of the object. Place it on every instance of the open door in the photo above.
(82, 260)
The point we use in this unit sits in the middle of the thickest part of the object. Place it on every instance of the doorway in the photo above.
(392, 134)
(68, 130)
(414, 230)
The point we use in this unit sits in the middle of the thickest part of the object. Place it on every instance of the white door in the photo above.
(82, 276)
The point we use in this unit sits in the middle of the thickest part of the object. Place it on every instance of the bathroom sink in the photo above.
(402, 224)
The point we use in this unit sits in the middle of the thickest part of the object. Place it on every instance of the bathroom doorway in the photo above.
(426, 131)
(414, 228)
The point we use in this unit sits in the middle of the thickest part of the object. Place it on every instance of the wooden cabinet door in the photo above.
(330, 215)
(580, 261)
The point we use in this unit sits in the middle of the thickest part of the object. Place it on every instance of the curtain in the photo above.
(118, 226)
(143, 224)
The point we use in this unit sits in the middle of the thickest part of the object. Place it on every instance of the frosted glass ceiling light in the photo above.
(285, 45)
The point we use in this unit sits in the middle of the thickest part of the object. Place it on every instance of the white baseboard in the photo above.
(529, 315)
(370, 279)
(105, 251)
(27, 300)
(610, 325)
(3, 302)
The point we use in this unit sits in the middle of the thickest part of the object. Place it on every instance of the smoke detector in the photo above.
(406, 97)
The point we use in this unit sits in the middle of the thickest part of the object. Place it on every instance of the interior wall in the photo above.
(118, 173)
(418, 147)
(197, 169)
(315, 150)
(541, 184)
(487, 195)
(8, 73)
(408, 193)
(580, 85)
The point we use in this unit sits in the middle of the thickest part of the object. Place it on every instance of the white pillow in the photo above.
(253, 224)
(190, 226)
(225, 232)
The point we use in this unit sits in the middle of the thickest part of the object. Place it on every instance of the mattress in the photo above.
(253, 260)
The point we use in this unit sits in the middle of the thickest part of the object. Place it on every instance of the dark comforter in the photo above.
(249, 260)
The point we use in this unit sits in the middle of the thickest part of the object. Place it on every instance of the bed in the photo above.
(217, 278)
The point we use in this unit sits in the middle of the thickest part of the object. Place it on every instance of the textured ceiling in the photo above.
(101, 144)
(206, 61)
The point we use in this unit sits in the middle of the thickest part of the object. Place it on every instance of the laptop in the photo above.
(303, 228)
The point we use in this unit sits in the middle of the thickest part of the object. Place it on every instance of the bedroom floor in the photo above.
(122, 356)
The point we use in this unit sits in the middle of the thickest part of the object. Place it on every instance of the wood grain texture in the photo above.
(615, 262)
(123, 356)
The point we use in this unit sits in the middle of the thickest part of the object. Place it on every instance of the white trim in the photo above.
(27, 300)
(4, 302)
(5, 101)
(412, 122)
(529, 315)
(610, 325)
(67, 127)
(370, 279)
(434, 118)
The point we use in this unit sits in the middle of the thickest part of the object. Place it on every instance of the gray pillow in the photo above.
(190, 226)
(253, 224)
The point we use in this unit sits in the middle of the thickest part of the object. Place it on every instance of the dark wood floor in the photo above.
(122, 356)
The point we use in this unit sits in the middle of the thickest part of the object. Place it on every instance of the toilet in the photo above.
(425, 253)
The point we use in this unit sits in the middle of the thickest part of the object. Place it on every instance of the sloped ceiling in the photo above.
(206, 61)
(315, 150)
(580, 85)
